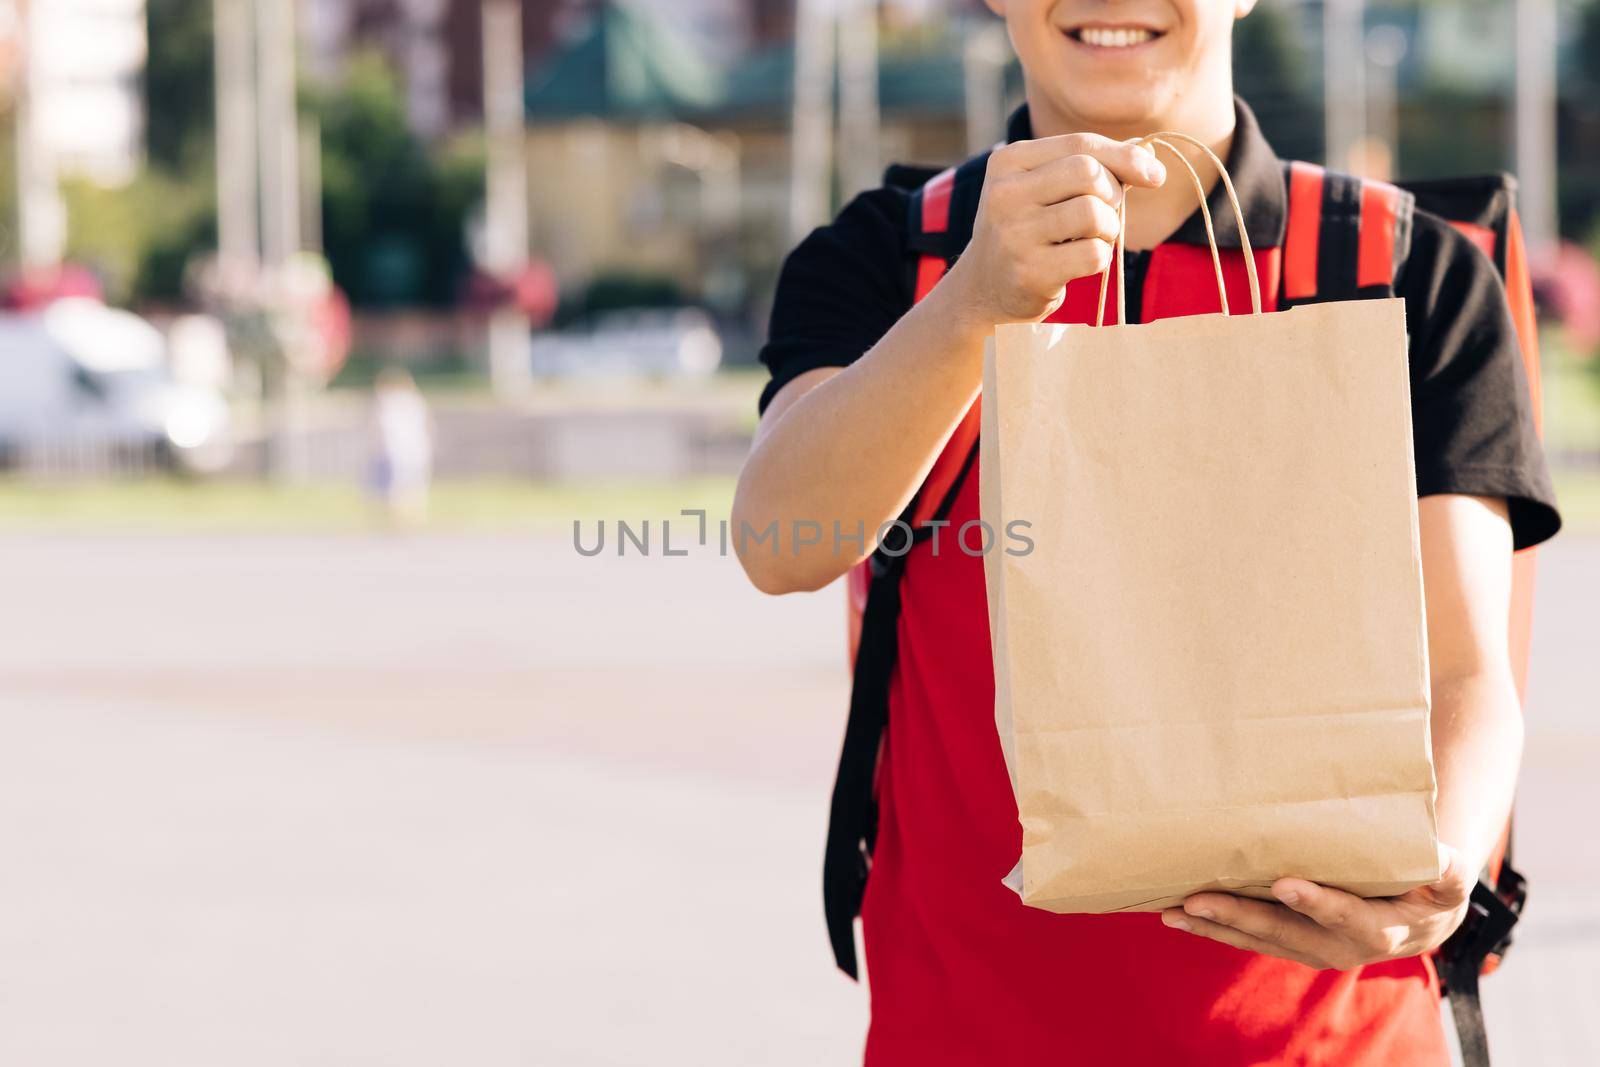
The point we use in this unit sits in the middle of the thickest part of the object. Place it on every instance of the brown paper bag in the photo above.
(1211, 670)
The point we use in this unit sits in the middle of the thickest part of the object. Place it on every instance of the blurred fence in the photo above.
(85, 458)
(477, 440)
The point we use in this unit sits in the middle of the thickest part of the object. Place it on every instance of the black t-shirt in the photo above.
(848, 283)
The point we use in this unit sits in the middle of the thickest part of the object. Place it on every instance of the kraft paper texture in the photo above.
(1212, 669)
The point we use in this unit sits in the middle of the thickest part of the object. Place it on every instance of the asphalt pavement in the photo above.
(346, 800)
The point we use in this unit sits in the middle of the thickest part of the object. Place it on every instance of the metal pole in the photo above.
(506, 206)
(238, 230)
(859, 141)
(278, 162)
(1535, 144)
(280, 133)
(41, 214)
(1386, 47)
(1344, 95)
(311, 184)
(811, 136)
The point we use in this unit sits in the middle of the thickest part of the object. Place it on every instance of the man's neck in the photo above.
(1155, 214)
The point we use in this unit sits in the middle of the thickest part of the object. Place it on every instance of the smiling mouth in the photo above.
(1113, 36)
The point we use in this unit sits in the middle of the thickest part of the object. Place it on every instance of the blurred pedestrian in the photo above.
(401, 466)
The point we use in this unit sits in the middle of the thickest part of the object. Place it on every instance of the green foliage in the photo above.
(1587, 48)
(393, 206)
(139, 237)
(393, 209)
(178, 82)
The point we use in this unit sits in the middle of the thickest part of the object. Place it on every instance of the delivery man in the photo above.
(869, 385)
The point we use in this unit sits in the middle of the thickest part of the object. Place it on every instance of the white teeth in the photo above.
(1113, 37)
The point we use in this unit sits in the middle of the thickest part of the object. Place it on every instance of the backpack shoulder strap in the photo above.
(873, 598)
(1346, 237)
(929, 239)
(942, 210)
(940, 225)
(928, 225)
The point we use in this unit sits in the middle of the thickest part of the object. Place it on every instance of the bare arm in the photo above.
(1045, 217)
(1477, 718)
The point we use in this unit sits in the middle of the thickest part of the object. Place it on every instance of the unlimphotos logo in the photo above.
(894, 538)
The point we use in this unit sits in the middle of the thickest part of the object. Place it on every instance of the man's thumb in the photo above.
(1455, 884)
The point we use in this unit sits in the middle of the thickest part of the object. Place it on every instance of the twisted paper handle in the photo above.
(1161, 140)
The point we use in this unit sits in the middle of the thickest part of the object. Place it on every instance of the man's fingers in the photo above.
(1128, 162)
(1178, 919)
(1067, 177)
(1075, 220)
(1268, 922)
(1079, 258)
(1331, 909)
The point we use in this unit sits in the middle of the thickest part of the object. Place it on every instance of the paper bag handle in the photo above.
(1161, 140)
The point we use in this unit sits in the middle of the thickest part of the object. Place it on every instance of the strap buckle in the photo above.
(1485, 933)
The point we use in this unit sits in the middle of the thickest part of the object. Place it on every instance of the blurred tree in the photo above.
(1270, 65)
(394, 208)
(138, 238)
(1587, 47)
(178, 82)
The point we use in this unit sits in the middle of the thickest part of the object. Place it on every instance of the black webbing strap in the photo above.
(853, 812)
(1339, 239)
(1467, 1011)
(852, 815)
(1486, 931)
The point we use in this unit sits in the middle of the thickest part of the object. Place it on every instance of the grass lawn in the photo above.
(1578, 493)
(171, 505)
(1572, 424)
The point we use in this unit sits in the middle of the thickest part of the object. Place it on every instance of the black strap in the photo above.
(853, 812)
(852, 815)
(1486, 931)
(1339, 239)
(1466, 1008)
(1467, 1011)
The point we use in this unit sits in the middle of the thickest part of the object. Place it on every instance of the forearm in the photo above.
(853, 450)
(1477, 750)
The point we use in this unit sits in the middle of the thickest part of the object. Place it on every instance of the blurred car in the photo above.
(80, 377)
(653, 342)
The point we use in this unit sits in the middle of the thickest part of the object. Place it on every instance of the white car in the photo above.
(81, 379)
(670, 343)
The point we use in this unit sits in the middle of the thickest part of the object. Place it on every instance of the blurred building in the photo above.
(656, 157)
(411, 33)
(83, 61)
(71, 71)
(10, 47)
(435, 45)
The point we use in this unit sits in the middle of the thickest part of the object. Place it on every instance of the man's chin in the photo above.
(1129, 110)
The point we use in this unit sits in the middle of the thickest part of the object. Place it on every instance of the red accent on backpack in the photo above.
(1300, 234)
(1380, 206)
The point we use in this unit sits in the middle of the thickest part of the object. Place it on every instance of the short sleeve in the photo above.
(1472, 415)
(840, 290)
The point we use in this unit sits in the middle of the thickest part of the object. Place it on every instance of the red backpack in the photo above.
(1345, 239)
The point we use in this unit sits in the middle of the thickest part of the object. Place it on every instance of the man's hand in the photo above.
(1327, 928)
(1048, 214)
